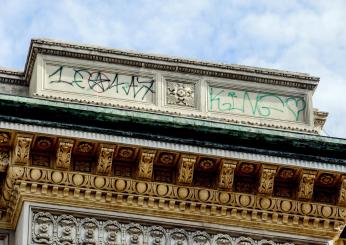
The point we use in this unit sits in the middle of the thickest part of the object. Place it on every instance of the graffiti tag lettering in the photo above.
(268, 105)
(100, 82)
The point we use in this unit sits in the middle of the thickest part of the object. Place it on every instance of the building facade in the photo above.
(105, 146)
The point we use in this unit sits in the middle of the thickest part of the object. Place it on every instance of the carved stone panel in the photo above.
(181, 94)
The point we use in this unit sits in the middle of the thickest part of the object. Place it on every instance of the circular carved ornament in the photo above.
(286, 173)
(85, 147)
(206, 164)
(166, 158)
(126, 152)
(43, 143)
(4, 138)
(326, 179)
(247, 168)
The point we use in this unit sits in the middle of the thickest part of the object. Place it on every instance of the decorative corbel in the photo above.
(266, 180)
(4, 160)
(342, 192)
(105, 160)
(185, 169)
(226, 174)
(306, 185)
(22, 146)
(146, 164)
(64, 152)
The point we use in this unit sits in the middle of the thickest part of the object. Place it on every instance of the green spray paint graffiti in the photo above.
(268, 105)
(101, 82)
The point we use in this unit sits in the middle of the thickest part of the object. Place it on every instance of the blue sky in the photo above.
(305, 36)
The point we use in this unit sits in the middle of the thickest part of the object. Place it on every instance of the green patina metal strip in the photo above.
(167, 127)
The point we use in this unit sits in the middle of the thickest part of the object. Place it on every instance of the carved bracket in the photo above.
(342, 193)
(21, 154)
(226, 174)
(185, 169)
(4, 160)
(64, 152)
(266, 181)
(146, 163)
(306, 186)
(105, 160)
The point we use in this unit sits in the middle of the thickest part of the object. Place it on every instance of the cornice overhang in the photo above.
(15, 77)
(161, 127)
(165, 63)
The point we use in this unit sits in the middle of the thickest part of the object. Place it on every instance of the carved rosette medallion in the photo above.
(182, 94)
(4, 138)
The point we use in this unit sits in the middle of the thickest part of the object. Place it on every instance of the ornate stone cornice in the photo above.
(12, 77)
(168, 200)
(173, 184)
(254, 74)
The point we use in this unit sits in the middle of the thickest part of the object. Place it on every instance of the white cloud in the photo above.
(307, 36)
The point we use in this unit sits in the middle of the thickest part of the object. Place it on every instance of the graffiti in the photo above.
(268, 105)
(99, 82)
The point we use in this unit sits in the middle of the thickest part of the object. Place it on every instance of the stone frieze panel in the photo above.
(66, 229)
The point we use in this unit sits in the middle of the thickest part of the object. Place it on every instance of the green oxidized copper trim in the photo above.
(171, 129)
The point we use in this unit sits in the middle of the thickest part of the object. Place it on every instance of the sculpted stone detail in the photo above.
(226, 174)
(43, 143)
(342, 193)
(4, 160)
(182, 94)
(266, 185)
(42, 228)
(85, 147)
(89, 232)
(306, 186)
(104, 163)
(22, 150)
(66, 230)
(111, 233)
(166, 159)
(103, 192)
(146, 163)
(63, 155)
(4, 137)
(69, 230)
(185, 169)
